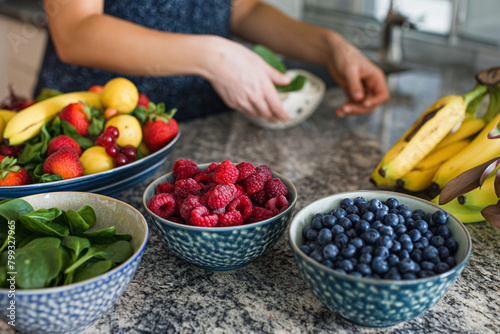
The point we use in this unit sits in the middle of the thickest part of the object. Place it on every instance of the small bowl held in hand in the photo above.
(299, 105)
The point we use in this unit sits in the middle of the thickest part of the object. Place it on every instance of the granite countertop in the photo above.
(323, 156)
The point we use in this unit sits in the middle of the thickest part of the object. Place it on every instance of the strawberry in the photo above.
(143, 101)
(75, 114)
(12, 174)
(61, 141)
(64, 162)
(96, 89)
(159, 128)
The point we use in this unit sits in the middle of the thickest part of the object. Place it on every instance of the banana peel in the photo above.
(461, 212)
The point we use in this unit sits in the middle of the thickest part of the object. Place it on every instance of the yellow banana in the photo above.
(461, 212)
(7, 114)
(480, 150)
(470, 126)
(481, 197)
(428, 131)
(376, 178)
(420, 177)
(27, 123)
(2, 125)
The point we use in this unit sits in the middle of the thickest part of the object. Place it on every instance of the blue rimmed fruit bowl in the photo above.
(75, 307)
(109, 183)
(378, 296)
(219, 248)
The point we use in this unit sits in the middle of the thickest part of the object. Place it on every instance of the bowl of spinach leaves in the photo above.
(66, 258)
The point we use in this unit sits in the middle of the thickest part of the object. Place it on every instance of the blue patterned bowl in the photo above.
(75, 307)
(369, 302)
(109, 183)
(219, 248)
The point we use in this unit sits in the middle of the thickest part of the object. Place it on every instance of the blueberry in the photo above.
(304, 231)
(384, 241)
(452, 245)
(426, 273)
(351, 233)
(444, 252)
(342, 271)
(410, 223)
(368, 216)
(391, 219)
(421, 225)
(317, 223)
(356, 274)
(313, 245)
(393, 274)
(306, 249)
(392, 203)
(360, 200)
(416, 255)
(312, 234)
(380, 265)
(381, 252)
(404, 238)
(418, 245)
(415, 235)
(317, 256)
(346, 202)
(341, 239)
(400, 229)
(337, 229)
(407, 246)
(364, 269)
(329, 221)
(407, 266)
(347, 266)
(419, 212)
(441, 267)
(396, 247)
(330, 252)
(345, 223)
(352, 210)
(428, 235)
(392, 260)
(439, 217)
(353, 217)
(396, 211)
(328, 263)
(377, 224)
(386, 231)
(370, 236)
(361, 226)
(409, 276)
(324, 236)
(363, 209)
(405, 212)
(365, 258)
(444, 231)
(450, 261)
(374, 204)
(437, 241)
(380, 214)
(348, 251)
(427, 265)
(401, 219)
(424, 241)
(357, 242)
(367, 249)
(339, 213)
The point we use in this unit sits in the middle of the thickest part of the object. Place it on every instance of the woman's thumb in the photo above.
(279, 78)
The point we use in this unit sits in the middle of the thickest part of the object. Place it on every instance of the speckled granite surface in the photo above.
(324, 156)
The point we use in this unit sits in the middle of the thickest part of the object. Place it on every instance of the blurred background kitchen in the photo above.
(399, 35)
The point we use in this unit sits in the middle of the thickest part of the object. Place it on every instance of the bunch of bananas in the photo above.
(448, 139)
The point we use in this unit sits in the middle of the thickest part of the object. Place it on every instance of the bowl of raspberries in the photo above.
(378, 258)
(219, 216)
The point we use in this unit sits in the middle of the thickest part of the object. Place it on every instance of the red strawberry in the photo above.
(159, 129)
(65, 162)
(12, 174)
(74, 114)
(61, 141)
(143, 101)
(96, 89)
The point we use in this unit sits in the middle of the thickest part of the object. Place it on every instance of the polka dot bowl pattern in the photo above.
(370, 302)
(75, 307)
(219, 248)
(109, 183)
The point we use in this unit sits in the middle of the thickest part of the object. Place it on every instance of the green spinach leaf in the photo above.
(95, 269)
(270, 57)
(36, 268)
(296, 84)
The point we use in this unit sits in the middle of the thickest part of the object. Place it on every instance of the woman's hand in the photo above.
(363, 82)
(244, 80)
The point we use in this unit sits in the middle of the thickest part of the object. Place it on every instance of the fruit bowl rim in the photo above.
(459, 266)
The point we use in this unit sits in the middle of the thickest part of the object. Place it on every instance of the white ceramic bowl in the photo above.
(299, 105)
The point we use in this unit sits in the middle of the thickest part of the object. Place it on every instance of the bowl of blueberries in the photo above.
(378, 258)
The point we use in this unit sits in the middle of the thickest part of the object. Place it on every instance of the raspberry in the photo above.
(232, 218)
(203, 178)
(178, 204)
(176, 220)
(181, 162)
(255, 182)
(162, 205)
(239, 190)
(245, 169)
(258, 198)
(188, 205)
(200, 216)
(277, 204)
(187, 171)
(266, 170)
(226, 173)
(186, 187)
(259, 214)
(218, 211)
(165, 188)
(220, 195)
(275, 188)
(243, 205)
(210, 168)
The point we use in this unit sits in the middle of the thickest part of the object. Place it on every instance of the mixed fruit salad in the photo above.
(62, 136)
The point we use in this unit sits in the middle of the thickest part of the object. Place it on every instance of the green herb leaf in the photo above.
(76, 244)
(44, 226)
(93, 270)
(88, 215)
(70, 131)
(47, 93)
(76, 223)
(99, 234)
(296, 84)
(270, 57)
